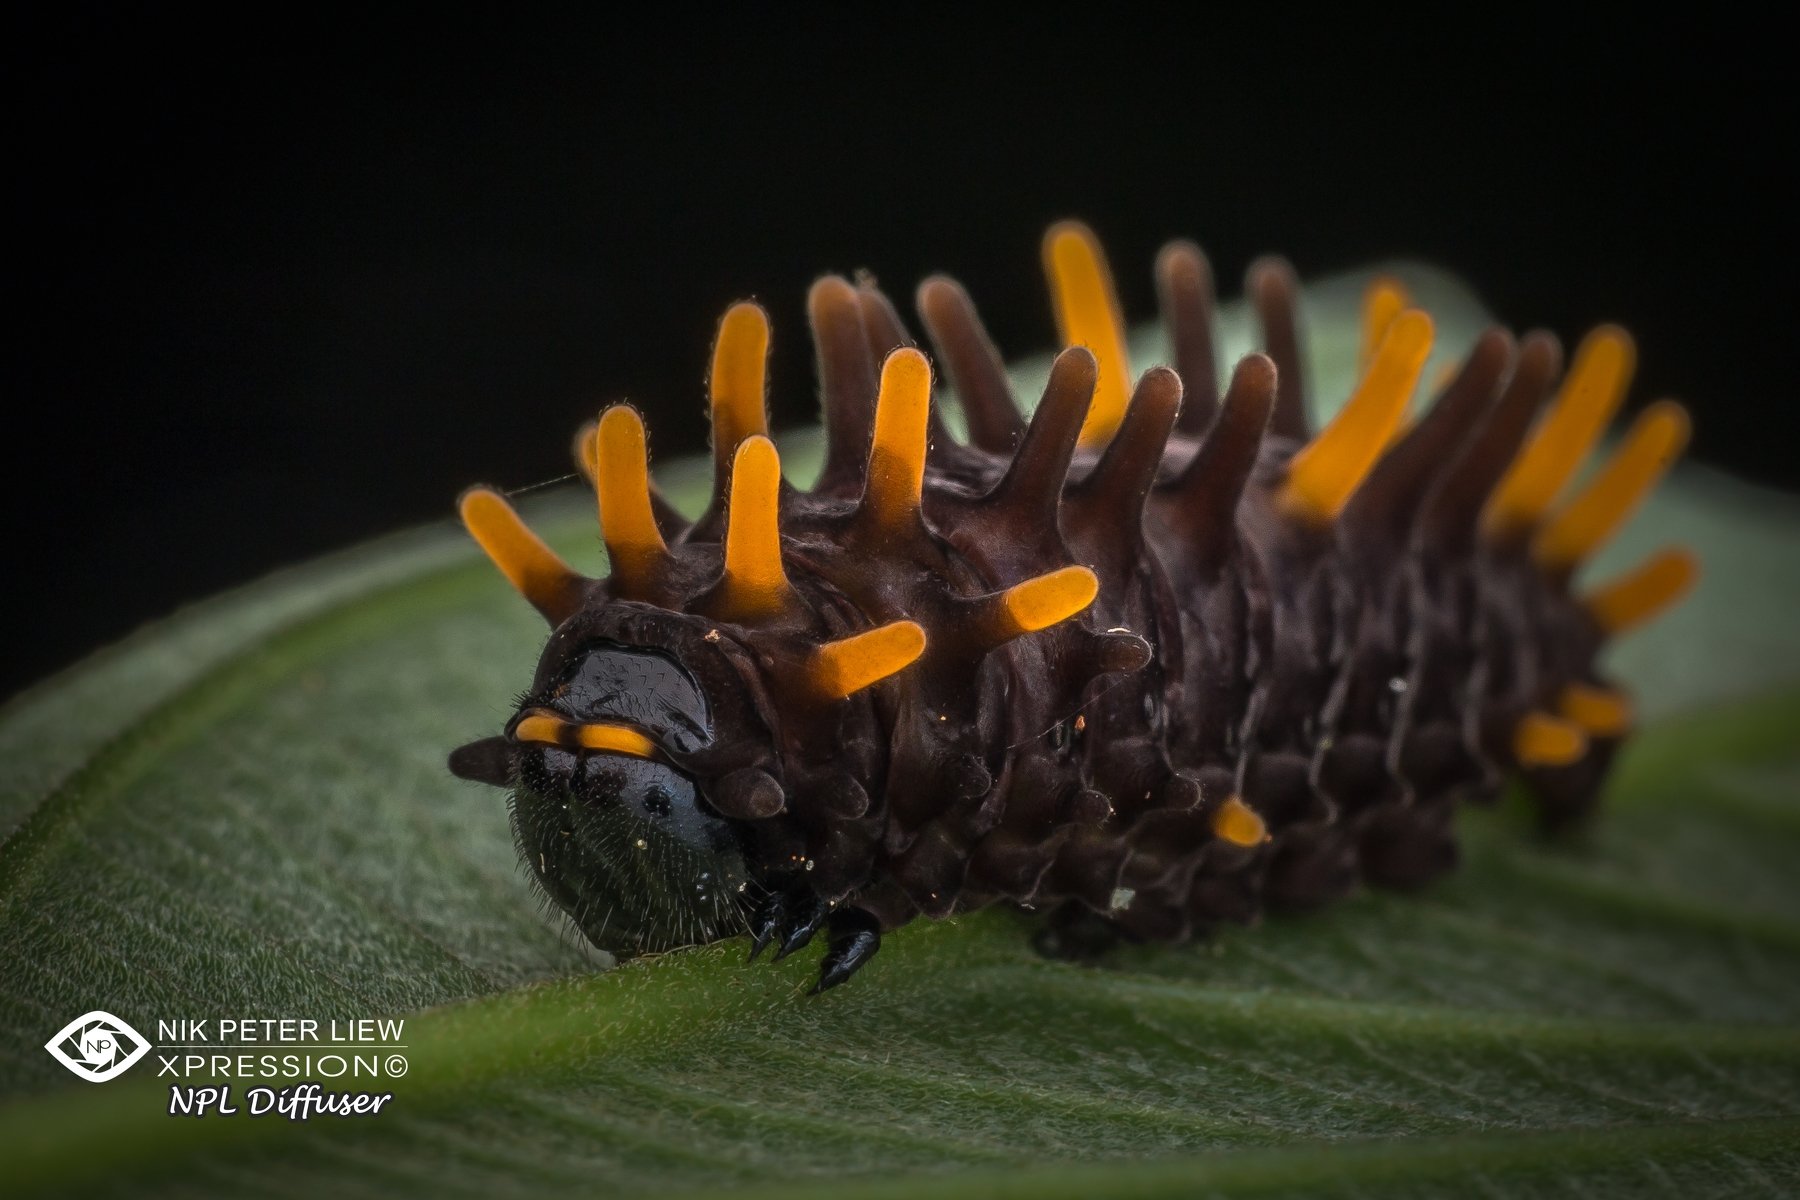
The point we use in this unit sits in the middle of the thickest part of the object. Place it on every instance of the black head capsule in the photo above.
(618, 836)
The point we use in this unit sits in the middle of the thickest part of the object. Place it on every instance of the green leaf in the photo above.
(243, 811)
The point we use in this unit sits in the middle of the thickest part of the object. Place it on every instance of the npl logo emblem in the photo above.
(97, 1046)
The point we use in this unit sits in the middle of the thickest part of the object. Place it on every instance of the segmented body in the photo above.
(1151, 660)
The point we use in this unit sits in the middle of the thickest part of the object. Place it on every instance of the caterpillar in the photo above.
(1149, 661)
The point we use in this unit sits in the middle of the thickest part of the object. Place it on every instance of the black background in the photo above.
(280, 285)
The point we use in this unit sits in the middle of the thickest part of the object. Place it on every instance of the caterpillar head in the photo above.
(654, 760)
(605, 758)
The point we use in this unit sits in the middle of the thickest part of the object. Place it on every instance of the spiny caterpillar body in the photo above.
(1150, 660)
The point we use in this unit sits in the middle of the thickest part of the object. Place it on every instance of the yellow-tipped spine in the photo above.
(553, 587)
(1600, 711)
(1655, 441)
(1542, 740)
(1643, 592)
(1236, 822)
(1326, 473)
(737, 381)
(1034, 604)
(1088, 314)
(842, 668)
(1583, 407)
(622, 484)
(754, 584)
(896, 476)
(1383, 300)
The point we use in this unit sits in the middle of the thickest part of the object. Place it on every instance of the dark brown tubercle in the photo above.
(1150, 659)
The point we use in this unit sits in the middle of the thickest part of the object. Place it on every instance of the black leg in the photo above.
(806, 917)
(855, 937)
(768, 919)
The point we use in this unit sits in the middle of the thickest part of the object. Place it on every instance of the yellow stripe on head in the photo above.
(754, 583)
(1327, 471)
(1385, 299)
(842, 668)
(1087, 314)
(622, 481)
(896, 475)
(1655, 441)
(541, 729)
(1642, 593)
(615, 739)
(1562, 439)
(534, 570)
(547, 729)
(737, 382)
